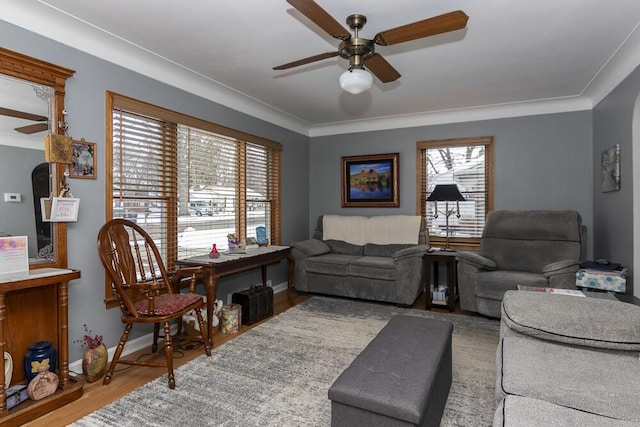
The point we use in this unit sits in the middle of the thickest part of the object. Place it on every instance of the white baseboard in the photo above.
(144, 341)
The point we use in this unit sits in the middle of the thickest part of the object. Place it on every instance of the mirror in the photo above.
(32, 101)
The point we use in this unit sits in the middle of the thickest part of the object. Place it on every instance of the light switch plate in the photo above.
(12, 197)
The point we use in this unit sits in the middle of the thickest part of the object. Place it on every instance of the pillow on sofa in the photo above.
(371, 249)
(343, 248)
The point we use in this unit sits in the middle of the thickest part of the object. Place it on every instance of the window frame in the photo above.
(117, 102)
(460, 243)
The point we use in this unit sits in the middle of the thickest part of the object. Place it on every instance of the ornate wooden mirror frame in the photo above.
(34, 70)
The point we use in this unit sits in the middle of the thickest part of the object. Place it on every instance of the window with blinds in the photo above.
(189, 183)
(468, 163)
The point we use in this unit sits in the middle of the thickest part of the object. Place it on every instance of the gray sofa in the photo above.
(568, 359)
(373, 258)
(534, 248)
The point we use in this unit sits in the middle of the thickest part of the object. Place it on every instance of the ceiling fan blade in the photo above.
(428, 27)
(306, 60)
(321, 18)
(22, 115)
(35, 128)
(381, 68)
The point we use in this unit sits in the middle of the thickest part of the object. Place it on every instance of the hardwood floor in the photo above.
(126, 379)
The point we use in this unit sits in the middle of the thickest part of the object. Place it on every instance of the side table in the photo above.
(432, 259)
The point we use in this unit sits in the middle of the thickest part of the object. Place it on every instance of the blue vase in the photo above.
(40, 353)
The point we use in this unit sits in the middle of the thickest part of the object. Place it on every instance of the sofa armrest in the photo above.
(476, 260)
(413, 251)
(560, 267)
(311, 247)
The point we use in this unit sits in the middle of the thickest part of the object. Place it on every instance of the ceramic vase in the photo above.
(40, 353)
(214, 252)
(94, 363)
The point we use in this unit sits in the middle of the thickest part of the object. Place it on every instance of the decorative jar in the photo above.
(231, 318)
(41, 353)
(94, 362)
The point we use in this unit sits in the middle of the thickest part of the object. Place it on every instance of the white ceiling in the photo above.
(514, 57)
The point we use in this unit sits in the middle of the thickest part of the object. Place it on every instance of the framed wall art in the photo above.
(610, 169)
(83, 164)
(370, 181)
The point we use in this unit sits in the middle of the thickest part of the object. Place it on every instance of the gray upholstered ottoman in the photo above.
(402, 378)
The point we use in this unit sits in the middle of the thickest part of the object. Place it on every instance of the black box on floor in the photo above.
(256, 302)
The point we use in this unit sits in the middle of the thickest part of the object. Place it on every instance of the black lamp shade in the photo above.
(445, 193)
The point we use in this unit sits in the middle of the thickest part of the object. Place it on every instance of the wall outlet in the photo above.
(269, 283)
(12, 197)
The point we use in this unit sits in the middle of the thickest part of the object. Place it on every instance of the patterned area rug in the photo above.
(278, 373)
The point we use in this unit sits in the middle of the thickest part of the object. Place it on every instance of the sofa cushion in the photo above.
(342, 247)
(517, 411)
(381, 268)
(592, 322)
(493, 284)
(332, 264)
(371, 249)
(595, 381)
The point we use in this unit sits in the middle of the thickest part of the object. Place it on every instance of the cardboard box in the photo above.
(615, 281)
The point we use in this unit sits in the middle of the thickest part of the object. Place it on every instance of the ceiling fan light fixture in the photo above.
(356, 80)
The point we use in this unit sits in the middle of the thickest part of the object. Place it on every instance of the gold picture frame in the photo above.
(370, 181)
(83, 163)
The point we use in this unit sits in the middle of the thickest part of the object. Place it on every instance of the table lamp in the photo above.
(446, 193)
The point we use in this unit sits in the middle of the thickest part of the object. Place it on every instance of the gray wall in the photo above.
(541, 162)
(613, 211)
(18, 219)
(85, 101)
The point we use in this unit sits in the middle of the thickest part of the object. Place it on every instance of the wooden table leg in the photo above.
(212, 284)
(263, 268)
(451, 282)
(292, 264)
(427, 283)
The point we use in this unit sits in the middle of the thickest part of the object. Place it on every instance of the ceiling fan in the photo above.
(29, 129)
(360, 51)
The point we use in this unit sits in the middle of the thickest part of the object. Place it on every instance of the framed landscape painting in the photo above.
(370, 181)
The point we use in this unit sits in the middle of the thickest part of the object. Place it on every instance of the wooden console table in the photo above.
(34, 309)
(226, 265)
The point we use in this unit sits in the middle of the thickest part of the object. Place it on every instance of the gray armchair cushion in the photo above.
(591, 322)
(518, 411)
(341, 247)
(311, 247)
(478, 261)
(561, 267)
(599, 382)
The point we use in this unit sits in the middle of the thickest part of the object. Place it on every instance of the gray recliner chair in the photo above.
(533, 248)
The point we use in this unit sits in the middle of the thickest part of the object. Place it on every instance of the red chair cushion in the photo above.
(167, 304)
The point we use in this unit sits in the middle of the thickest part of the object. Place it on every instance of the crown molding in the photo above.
(37, 17)
(488, 112)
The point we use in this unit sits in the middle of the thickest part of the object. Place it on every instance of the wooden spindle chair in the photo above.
(145, 291)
